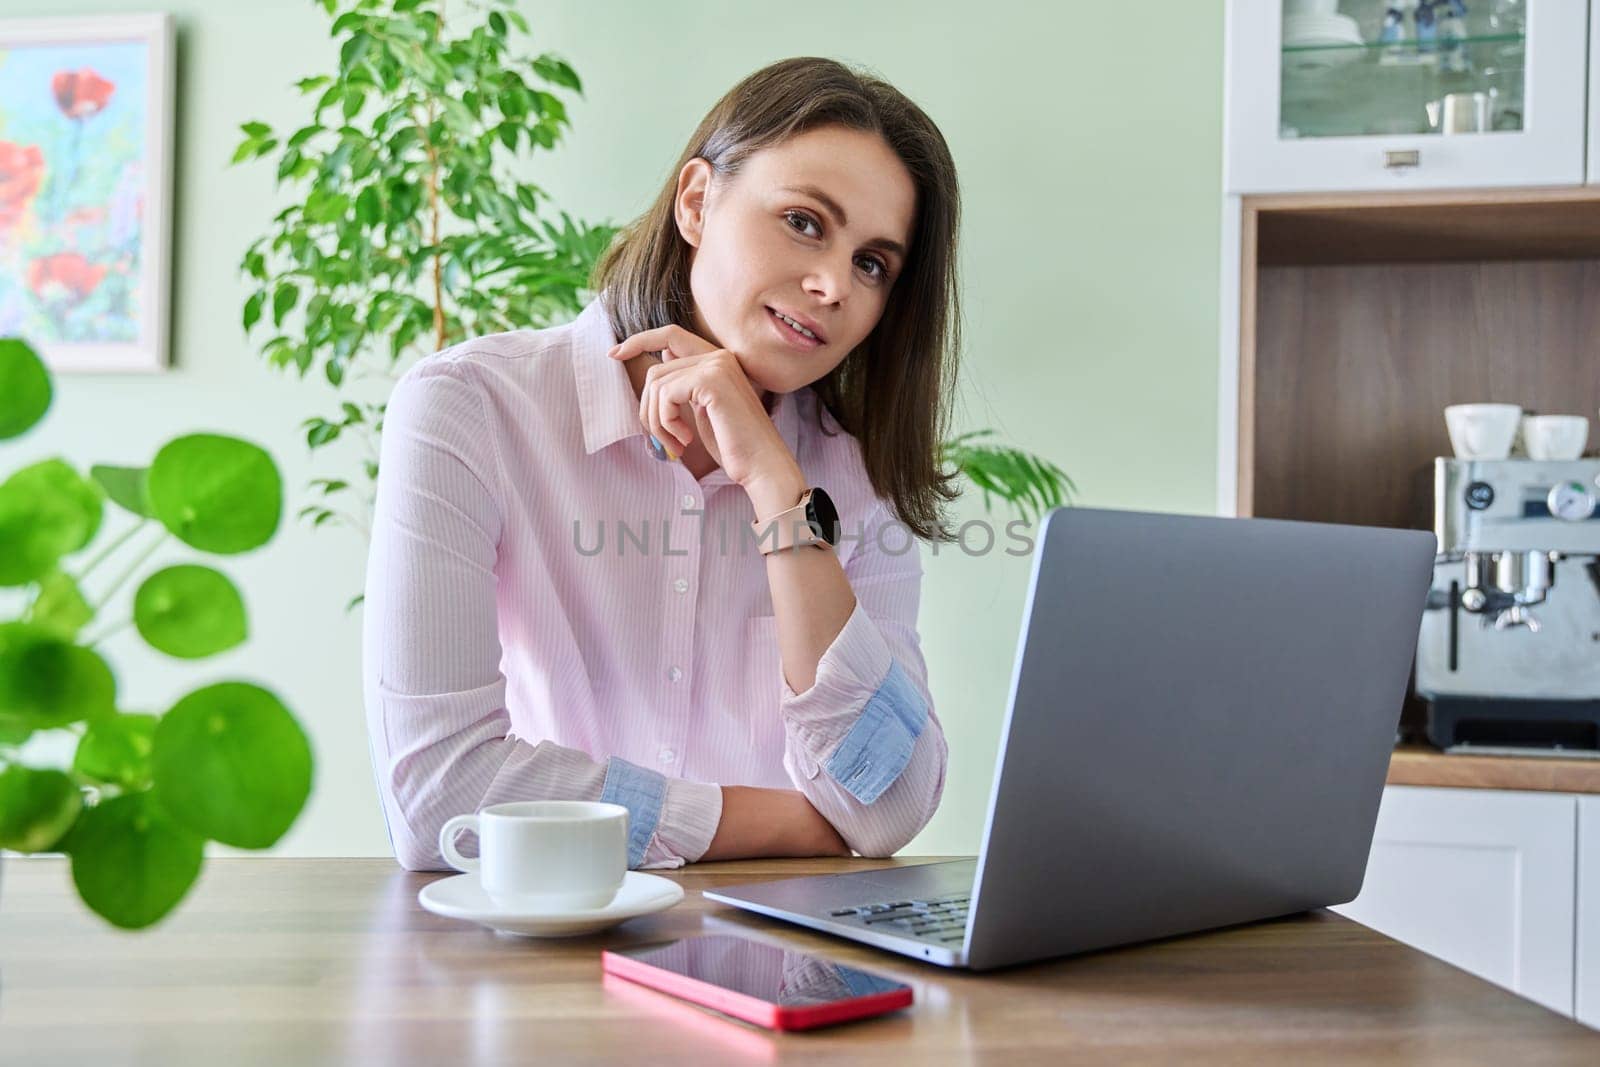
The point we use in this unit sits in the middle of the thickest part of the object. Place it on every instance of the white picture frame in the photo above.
(86, 180)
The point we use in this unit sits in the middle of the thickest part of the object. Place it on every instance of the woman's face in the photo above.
(816, 228)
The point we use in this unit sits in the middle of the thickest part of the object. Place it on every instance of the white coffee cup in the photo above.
(1555, 436)
(1482, 431)
(545, 855)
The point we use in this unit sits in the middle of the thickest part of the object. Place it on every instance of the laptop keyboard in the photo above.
(942, 920)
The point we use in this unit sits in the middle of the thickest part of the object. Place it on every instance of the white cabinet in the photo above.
(1587, 957)
(1319, 103)
(1482, 879)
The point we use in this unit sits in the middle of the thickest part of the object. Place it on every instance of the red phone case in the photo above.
(753, 1009)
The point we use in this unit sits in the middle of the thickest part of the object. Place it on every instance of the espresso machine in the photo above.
(1508, 659)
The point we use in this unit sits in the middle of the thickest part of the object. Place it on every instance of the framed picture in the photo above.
(86, 189)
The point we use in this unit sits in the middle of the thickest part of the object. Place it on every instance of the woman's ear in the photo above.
(689, 207)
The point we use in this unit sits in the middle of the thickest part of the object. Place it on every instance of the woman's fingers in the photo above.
(673, 342)
(703, 422)
(652, 425)
(670, 404)
(655, 414)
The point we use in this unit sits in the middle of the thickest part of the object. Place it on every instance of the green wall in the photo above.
(1088, 142)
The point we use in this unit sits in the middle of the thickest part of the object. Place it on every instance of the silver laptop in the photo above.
(1201, 715)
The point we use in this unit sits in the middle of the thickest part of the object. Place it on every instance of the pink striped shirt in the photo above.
(551, 613)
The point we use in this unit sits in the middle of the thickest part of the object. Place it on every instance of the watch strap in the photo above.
(787, 529)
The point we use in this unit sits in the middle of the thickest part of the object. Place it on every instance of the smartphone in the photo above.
(778, 988)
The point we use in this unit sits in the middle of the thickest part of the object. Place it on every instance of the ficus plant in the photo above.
(409, 231)
(228, 762)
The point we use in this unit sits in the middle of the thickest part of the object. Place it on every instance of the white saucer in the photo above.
(462, 897)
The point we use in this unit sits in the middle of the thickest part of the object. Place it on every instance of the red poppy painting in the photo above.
(85, 149)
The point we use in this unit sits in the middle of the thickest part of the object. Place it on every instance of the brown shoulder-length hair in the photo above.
(893, 391)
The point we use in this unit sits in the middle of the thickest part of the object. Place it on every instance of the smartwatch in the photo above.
(813, 521)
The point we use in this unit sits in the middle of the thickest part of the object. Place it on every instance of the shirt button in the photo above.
(688, 501)
(674, 674)
(681, 585)
(667, 755)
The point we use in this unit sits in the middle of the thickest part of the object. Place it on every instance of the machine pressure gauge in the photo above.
(1570, 501)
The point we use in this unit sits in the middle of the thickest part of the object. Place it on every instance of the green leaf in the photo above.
(47, 510)
(303, 134)
(369, 206)
(289, 163)
(24, 388)
(190, 612)
(131, 862)
(252, 309)
(36, 808)
(497, 23)
(554, 70)
(232, 763)
(311, 85)
(218, 494)
(326, 206)
(60, 606)
(128, 487)
(14, 731)
(117, 750)
(256, 130)
(321, 432)
(284, 299)
(46, 682)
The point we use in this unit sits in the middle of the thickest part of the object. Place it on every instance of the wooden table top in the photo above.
(313, 961)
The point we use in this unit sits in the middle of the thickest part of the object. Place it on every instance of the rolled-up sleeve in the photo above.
(864, 743)
(437, 720)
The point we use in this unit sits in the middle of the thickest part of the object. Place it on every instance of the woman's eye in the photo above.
(878, 270)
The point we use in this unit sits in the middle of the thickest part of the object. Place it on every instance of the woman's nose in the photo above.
(828, 281)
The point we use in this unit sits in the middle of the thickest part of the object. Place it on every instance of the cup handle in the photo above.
(447, 842)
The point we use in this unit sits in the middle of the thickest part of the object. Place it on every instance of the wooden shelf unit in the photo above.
(1362, 315)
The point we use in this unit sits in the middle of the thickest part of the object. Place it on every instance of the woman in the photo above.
(553, 614)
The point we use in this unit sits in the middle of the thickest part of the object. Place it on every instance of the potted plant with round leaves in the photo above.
(143, 793)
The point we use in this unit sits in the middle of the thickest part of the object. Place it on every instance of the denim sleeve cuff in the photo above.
(862, 715)
(878, 747)
(642, 792)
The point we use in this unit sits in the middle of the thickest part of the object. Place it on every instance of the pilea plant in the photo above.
(143, 792)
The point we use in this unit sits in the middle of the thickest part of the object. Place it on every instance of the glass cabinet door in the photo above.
(1384, 94)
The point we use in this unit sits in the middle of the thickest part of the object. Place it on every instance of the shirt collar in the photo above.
(606, 402)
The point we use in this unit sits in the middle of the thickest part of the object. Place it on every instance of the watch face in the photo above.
(821, 513)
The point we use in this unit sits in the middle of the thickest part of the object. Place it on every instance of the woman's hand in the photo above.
(700, 391)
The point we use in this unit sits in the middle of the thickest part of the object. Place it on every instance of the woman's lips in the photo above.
(792, 335)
